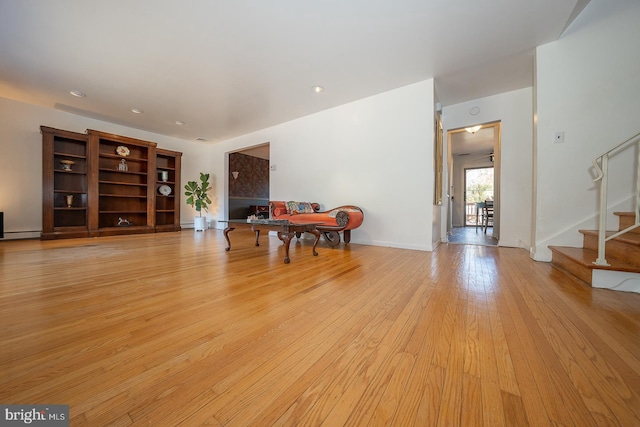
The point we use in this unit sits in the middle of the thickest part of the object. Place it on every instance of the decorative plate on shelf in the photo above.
(165, 190)
(123, 151)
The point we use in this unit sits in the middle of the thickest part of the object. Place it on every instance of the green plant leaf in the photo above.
(197, 193)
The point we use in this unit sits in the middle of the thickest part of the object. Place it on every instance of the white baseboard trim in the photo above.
(21, 235)
(616, 280)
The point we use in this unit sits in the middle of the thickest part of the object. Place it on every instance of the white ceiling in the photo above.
(227, 68)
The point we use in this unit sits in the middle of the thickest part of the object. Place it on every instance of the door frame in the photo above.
(262, 151)
(452, 164)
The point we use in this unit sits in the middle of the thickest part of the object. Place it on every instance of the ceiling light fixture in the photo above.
(179, 122)
(137, 111)
(78, 93)
(317, 88)
(200, 139)
(473, 129)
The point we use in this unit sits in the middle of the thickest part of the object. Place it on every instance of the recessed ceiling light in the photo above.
(78, 93)
(179, 122)
(137, 111)
(200, 139)
(317, 88)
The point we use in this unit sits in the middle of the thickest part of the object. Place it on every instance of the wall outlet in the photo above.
(558, 137)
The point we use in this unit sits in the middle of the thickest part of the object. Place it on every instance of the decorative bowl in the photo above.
(66, 164)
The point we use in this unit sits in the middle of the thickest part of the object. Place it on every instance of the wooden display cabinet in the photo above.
(99, 184)
(66, 161)
(123, 194)
(167, 190)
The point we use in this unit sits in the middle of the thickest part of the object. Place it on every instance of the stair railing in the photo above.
(601, 165)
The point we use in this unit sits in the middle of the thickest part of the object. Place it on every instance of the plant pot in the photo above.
(200, 223)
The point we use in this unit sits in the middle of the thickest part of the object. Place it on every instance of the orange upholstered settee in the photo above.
(342, 219)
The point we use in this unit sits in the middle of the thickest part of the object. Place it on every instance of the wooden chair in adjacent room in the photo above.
(487, 215)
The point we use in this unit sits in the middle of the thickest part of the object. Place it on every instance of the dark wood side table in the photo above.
(259, 211)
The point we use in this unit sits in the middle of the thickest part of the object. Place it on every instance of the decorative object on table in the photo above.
(122, 151)
(165, 190)
(66, 164)
(164, 176)
(123, 222)
(69, 200)
(197, 197)
(123, 166)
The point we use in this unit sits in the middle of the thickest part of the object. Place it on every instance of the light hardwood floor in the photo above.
(169, 329)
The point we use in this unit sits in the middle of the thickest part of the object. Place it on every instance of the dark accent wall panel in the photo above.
(253, 176)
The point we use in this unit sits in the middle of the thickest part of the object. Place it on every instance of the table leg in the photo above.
(317, 234)
(257, 237)
(226, 236)
(286, 239)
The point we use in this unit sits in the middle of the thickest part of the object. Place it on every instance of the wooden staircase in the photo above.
(623, 255)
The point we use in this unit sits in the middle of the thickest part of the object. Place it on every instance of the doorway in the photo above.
(474, 176)
(248, 182)
(478, 184)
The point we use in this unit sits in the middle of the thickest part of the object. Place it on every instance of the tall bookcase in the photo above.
(167, 188)
(124, 193)
(65, 184)
(100, 184)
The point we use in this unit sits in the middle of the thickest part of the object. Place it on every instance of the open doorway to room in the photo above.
(474, 164)
(248, 182)
(478, 189)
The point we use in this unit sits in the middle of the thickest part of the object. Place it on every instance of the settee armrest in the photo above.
(346, 217)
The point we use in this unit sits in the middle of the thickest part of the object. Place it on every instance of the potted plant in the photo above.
(197, 197)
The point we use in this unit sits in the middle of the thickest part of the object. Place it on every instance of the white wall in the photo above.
(515, 112)
(588, 86)
(21, 162)
(376, 153)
